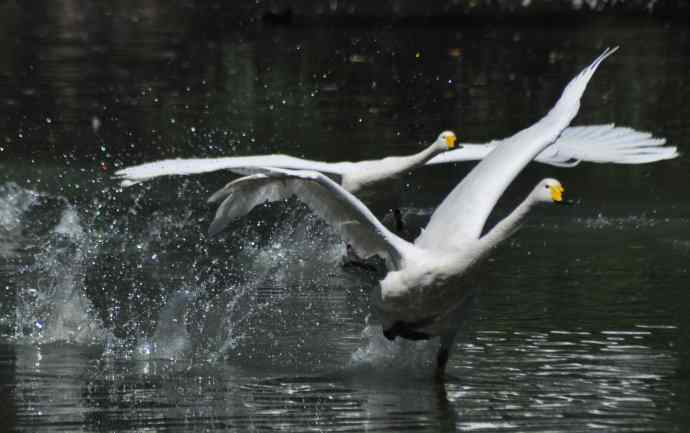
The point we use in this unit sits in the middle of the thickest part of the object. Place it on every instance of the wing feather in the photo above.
(342, 210)
(606, 144)
(590, 143)
(184, 167)
(461, 216)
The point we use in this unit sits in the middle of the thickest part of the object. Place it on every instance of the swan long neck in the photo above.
(419, 158)
(508, 225)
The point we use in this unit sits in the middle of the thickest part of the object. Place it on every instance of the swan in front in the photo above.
(423, 286)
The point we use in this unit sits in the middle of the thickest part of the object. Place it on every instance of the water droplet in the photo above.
(49, 120)
(193, 129)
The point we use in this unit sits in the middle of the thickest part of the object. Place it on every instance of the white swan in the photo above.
(423, 287)
(353, 176)
(594, 143)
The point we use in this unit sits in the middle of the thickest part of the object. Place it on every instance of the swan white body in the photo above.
(423, 285)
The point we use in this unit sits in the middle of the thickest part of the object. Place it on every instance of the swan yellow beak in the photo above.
(557, 193)
(450, 141)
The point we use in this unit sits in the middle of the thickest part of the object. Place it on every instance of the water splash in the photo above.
(601, 222)
(51, 302)
(143, 281)
(15, 201)
(171, 340)
(379, 355)
(266, 274)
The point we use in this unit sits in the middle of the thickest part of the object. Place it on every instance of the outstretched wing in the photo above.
(606, 144)
(461, 216)
(184, 167)
(342, 210)
(591, 143)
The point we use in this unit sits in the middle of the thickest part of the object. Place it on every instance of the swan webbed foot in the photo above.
(376, 266)
(356, 264)
(408, 330)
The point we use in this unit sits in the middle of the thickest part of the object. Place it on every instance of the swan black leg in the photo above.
(444, 353)
(441, 361)
(399, 225)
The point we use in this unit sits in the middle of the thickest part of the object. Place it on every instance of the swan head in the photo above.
(549, 191)
(445, 141)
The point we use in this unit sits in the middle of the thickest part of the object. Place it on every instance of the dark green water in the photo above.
(118, 313)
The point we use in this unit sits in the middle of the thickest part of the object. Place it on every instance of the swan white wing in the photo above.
(590, 143)
(342, 210)
(606, 144)
(461, 216)
(183, 167)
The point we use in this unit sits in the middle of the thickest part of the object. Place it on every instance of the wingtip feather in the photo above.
(607, 52)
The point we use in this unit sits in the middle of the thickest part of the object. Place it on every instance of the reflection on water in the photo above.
(118, 313)
(558, 380)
